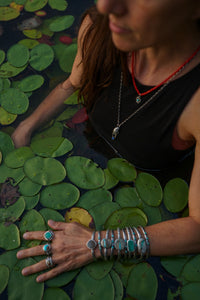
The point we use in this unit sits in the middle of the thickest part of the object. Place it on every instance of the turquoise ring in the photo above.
(47, 249)
(49, 262)
(49, 235)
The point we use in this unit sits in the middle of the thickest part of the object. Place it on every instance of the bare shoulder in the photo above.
(189, 121)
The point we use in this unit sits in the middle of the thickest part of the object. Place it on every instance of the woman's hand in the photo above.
(69, 250)
(22, 135)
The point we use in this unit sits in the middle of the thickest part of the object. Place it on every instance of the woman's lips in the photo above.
(117, 29)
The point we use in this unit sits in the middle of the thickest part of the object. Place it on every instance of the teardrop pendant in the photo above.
(115, 133)
(138, 99)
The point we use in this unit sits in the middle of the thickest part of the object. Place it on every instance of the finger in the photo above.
(52, 273)
(34, 251)
(38, 267)
(34, 235)
(57, 225)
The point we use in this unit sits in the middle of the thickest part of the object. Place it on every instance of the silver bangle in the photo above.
(141, 244)
(91, 244)
(131, 244)
(112, 244)
(106, 244)
(119, 243)
(99, 243)
(147, 241)
(135, 242)
(125, 240)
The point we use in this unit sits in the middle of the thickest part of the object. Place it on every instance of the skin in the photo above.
(140, 26)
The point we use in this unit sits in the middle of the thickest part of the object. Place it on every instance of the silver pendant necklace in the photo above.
(116, 129)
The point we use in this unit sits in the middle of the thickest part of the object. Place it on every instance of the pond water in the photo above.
(86, 143)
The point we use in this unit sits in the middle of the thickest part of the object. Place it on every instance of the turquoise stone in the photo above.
(46, 247)
(48, 235)
(138, 99)
(130, 246)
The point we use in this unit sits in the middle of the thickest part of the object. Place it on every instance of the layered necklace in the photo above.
(158, 88)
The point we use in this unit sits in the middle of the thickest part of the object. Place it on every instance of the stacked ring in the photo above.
(47, 249)
(49, 262)
(49, 235)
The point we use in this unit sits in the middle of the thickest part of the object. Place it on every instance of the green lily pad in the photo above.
(6, 144)
(174, 265)
(126, 217)
(190, 291)
(99, 269)
(110, 180)
(29, 288)
(191, 270)
(61, 23)
(34, 5)
(9, 258)
(7, 70)
(127, 197)
(84, 172)
(4, 277)
(123, 270)
(73, 99)
(6, 83)
(153, 214)
(60, 5)
(2, 56)
(6, 118)
(149, 189)
(12, 212)
(8, 13)
(51, 214)
(67, 59)
(118, 285)
(31, 201)
(55, 293)
(176, 195)
(44, 171)
(67, 114)
(94, 197)
(62, 279)
(79, 215)
(18, 55)
(31, 83)
(32, 33)
(32, 221)
(51, 146)
(122, 169)
(41, 56)
(142, 282)
(16, 174)
(59, 196)
(5, 2)
(89, 288)
(14, 101)
(29, 188)
(17, 157)
(9, 237)
(29, 43)
(53, 131)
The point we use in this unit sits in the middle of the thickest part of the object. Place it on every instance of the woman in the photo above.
(156, 44)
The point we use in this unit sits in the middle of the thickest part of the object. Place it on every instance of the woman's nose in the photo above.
(116, 7)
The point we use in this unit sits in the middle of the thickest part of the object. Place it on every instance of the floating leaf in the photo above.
(16, 174)
(51, 214)
(149, 189)
(89, 288)
(34, 5)
(174, 265)
(17, 157)
(29, 43)
(31, 201)
(73, 99)
(110, 180)
(94, 197)
(84, 172)
(190, 291)
(61, 23)
(118, 285)
(123, 270)
(80, 216)
(14, 101)
(58, 4)
(67, 113)
(32, 33)
(6, 118)
(41, 57)
(62, 279)
(32, 221)
(5, 2)
(59, 196)
(9, 237)
(18, 55)
(9, 194)
(6, 143)
(53, 131)
(51, 146)
(126, 217)
(31, 83)
(176, 195)
(29, 288)
(153, 214)
(2, 56)
(29, 188)
(67, 59)
(44, 171)
(7, 70)
(9, 258)
(12, 212)
(99, 269)
(8, 13)
(55, 293)
(122, 169)
(191, 270)
(127, 197)
(142, 282)
(4, 277)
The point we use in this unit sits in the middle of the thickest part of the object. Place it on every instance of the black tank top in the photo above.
(146, 138)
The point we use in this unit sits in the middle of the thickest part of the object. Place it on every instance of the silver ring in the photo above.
(49, 235)
(49, 262)
(47, 249)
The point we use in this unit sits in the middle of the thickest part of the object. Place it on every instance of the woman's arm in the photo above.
(54, 102)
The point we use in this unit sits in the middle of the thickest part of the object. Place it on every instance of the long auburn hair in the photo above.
(99, 57)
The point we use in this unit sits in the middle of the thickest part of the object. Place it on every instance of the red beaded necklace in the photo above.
(138, 98)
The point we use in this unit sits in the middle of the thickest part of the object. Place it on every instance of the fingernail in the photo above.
(51, 222)
(24, 235)
(38, 279)
(18, 254)
(24, 272)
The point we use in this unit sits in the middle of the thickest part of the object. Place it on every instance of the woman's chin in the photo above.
(122, 44)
